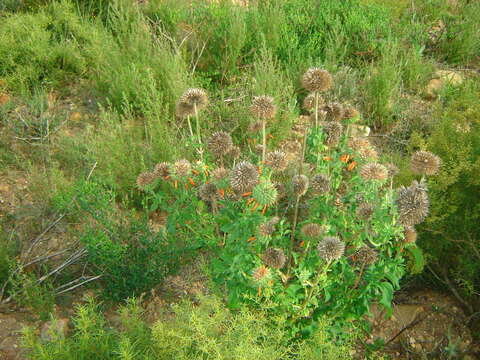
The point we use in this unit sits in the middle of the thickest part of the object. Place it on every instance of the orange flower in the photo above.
(264, 210)
(222, 193)
(190, 180)
(351, 166)
(247, 194)
(327, 158)
(255, 206)
(345, 158)
(195, 172)
(251, 238)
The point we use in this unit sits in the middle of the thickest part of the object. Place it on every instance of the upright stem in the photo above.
(316, 109)
(190, 126)
(295, 218)
(304, 146)
(198, 124)
(264, 140)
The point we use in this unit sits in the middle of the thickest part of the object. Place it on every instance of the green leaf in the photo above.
(417, 259)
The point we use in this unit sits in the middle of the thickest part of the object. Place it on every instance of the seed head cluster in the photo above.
(320, 184)
(311, 230)
(182, 168)
(220, 143)
(274, 258)
(268, 228)
(364, 211)
(374, 171)
(300, 185)
(413, 204)
(316, 79)
(261, 273)
(244, 177)
(366, 255)
(425, 163)
(309, 102)
(333, 131)
(145, 178)
(220, 173)
(334, 112)
(331, 248)
(208, 192)
(277, 160)
(364, 148)
(263, 107)
(162, 170)
(191, 99)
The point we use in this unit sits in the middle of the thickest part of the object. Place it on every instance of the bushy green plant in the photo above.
(204, 331)
(130, 257)
(317, 235)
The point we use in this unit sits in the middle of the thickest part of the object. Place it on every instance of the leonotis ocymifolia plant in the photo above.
(307, 231)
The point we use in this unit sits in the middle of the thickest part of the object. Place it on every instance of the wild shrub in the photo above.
(207, 330)
(130, 257)
(313, 228)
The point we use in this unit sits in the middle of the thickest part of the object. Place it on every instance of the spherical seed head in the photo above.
(363, 147)
(311, 230)
(366, 255)
(220, 173)
(410, 234)
(425, 163)
(277, 160)
(255, 126)
(183, 110)
(261, 273)
(268, 228)
(320, 184)
(234, 152)
(364, 211)
(208, 192)
(309, 102)
(145, 178)
(274, 258)
(263, 107)
(300, 185)
(265, 193)
(316, 79)
(350, 112)
(182, 168)
(374, 171)
(162, 169)
(331, 248)
(194, 97)
(333, 131)
(281, 191)
(244, 177)
(413, 204)
(334, 111)
(258, 148)
(220, 143)
(393, 170)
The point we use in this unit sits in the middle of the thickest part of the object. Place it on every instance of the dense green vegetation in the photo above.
(88, 101)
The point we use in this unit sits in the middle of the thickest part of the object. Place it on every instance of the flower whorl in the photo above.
(220, 143)
(333, 131)
(300, 185)
(162, 170)
(374, 171)
(277, 160)
(316, 79)
(145, 178)
(189, 100)
(274, 258)
(412, 204)
(320, 184)
(208, 192)
(311, 230)
(182, 168)
(263, 107)
(425, 163)
(331, 248)
(366, 255)
(244, 177)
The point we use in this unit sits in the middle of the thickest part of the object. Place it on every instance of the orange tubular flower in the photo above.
(351, 166)
(222, 193)
(247, 194)
(327, 158)
(190, 180)
(345, 158)
(251, 238)
(195, 172)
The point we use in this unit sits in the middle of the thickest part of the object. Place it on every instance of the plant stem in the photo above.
(197, 123)
(189, 126)
(316, 109)
(264, 140)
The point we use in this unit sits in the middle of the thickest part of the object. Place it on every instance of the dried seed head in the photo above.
(220, 143)
(311, 230)
(309, 102)
(366, 255)
(263, 107)
(194, 97)
(333, 131)
(413, 204)
(182, 168)
(425, 163)
(410, 234)
(259, 148)
(220, 173)
(350, 112)
(145, 178)
(392, 170)
(331, 248)
(208, 192)
(255, 126)
(274, 258)
(265, 193)
(268, 228)
(364, 211)
(374, 171)
(162, 170)
(300, 185)
(183, 110)
(334, 112)
(234, 152)
(316, 79)
(320, 184)
(244, 177)
(277, 160)
(363, 147)
(281, 191)
(261, 273)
